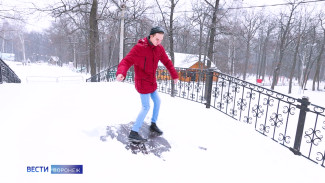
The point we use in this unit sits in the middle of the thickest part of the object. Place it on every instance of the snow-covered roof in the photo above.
(185, 60)
(54, 58)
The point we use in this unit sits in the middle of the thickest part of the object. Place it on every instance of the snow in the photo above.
(283, 87)
(185, 60)
(52, 123)
(44, 72)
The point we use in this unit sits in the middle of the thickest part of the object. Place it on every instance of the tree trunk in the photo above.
(318, 65)
(247, 54)
(212, 32)
(211, 42)
(229, 56)
(294, 59)
(259, 56)
(200, 44)
(263, 64)
(233, 56)
(93, 38)
(310, 62)
(206, 49)
(171, 41)
(264, 50)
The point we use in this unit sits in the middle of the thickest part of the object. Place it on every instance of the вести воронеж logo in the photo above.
(57, 169)
(66, 169)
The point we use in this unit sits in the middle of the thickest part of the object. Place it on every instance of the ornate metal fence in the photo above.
(6, 74)
(294, 123)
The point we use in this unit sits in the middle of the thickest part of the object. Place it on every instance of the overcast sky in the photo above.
(38, 22)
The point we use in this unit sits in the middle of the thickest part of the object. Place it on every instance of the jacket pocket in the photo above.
(146, 85)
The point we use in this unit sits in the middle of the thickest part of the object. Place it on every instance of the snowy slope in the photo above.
(60, 123)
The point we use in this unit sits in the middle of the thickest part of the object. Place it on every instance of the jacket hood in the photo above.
(145, 42)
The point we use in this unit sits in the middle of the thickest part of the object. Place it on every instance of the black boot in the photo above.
(154, 128)
(135, 137)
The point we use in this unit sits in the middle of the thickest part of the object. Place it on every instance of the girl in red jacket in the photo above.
(145, 56)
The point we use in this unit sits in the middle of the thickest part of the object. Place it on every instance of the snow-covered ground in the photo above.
(46, 73)
(283, 87)
(60, 123)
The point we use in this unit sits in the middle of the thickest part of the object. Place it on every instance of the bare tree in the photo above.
(307, 57)
(264, 47)
(9, 12)
(284, 41)
(200, 17)
(319, 56)
(251, 24)
(294, 63)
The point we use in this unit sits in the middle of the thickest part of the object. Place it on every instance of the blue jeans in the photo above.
(145, 100)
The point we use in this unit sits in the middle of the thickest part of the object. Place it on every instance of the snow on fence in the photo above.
(6, 74)
(294, 123)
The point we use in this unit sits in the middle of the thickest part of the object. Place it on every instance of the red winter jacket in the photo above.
(145, 57)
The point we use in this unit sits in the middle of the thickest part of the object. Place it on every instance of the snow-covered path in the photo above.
(58, 123)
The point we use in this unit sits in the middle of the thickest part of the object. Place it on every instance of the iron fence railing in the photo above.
(294, 123)
(6, 74)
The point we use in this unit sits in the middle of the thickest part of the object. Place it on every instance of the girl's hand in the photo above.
(119, 77)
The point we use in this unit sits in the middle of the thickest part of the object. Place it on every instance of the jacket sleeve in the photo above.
(127, 62)
(168, 64)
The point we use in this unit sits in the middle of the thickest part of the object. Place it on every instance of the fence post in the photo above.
(208, 90)
(301, 123)
(172, 93)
